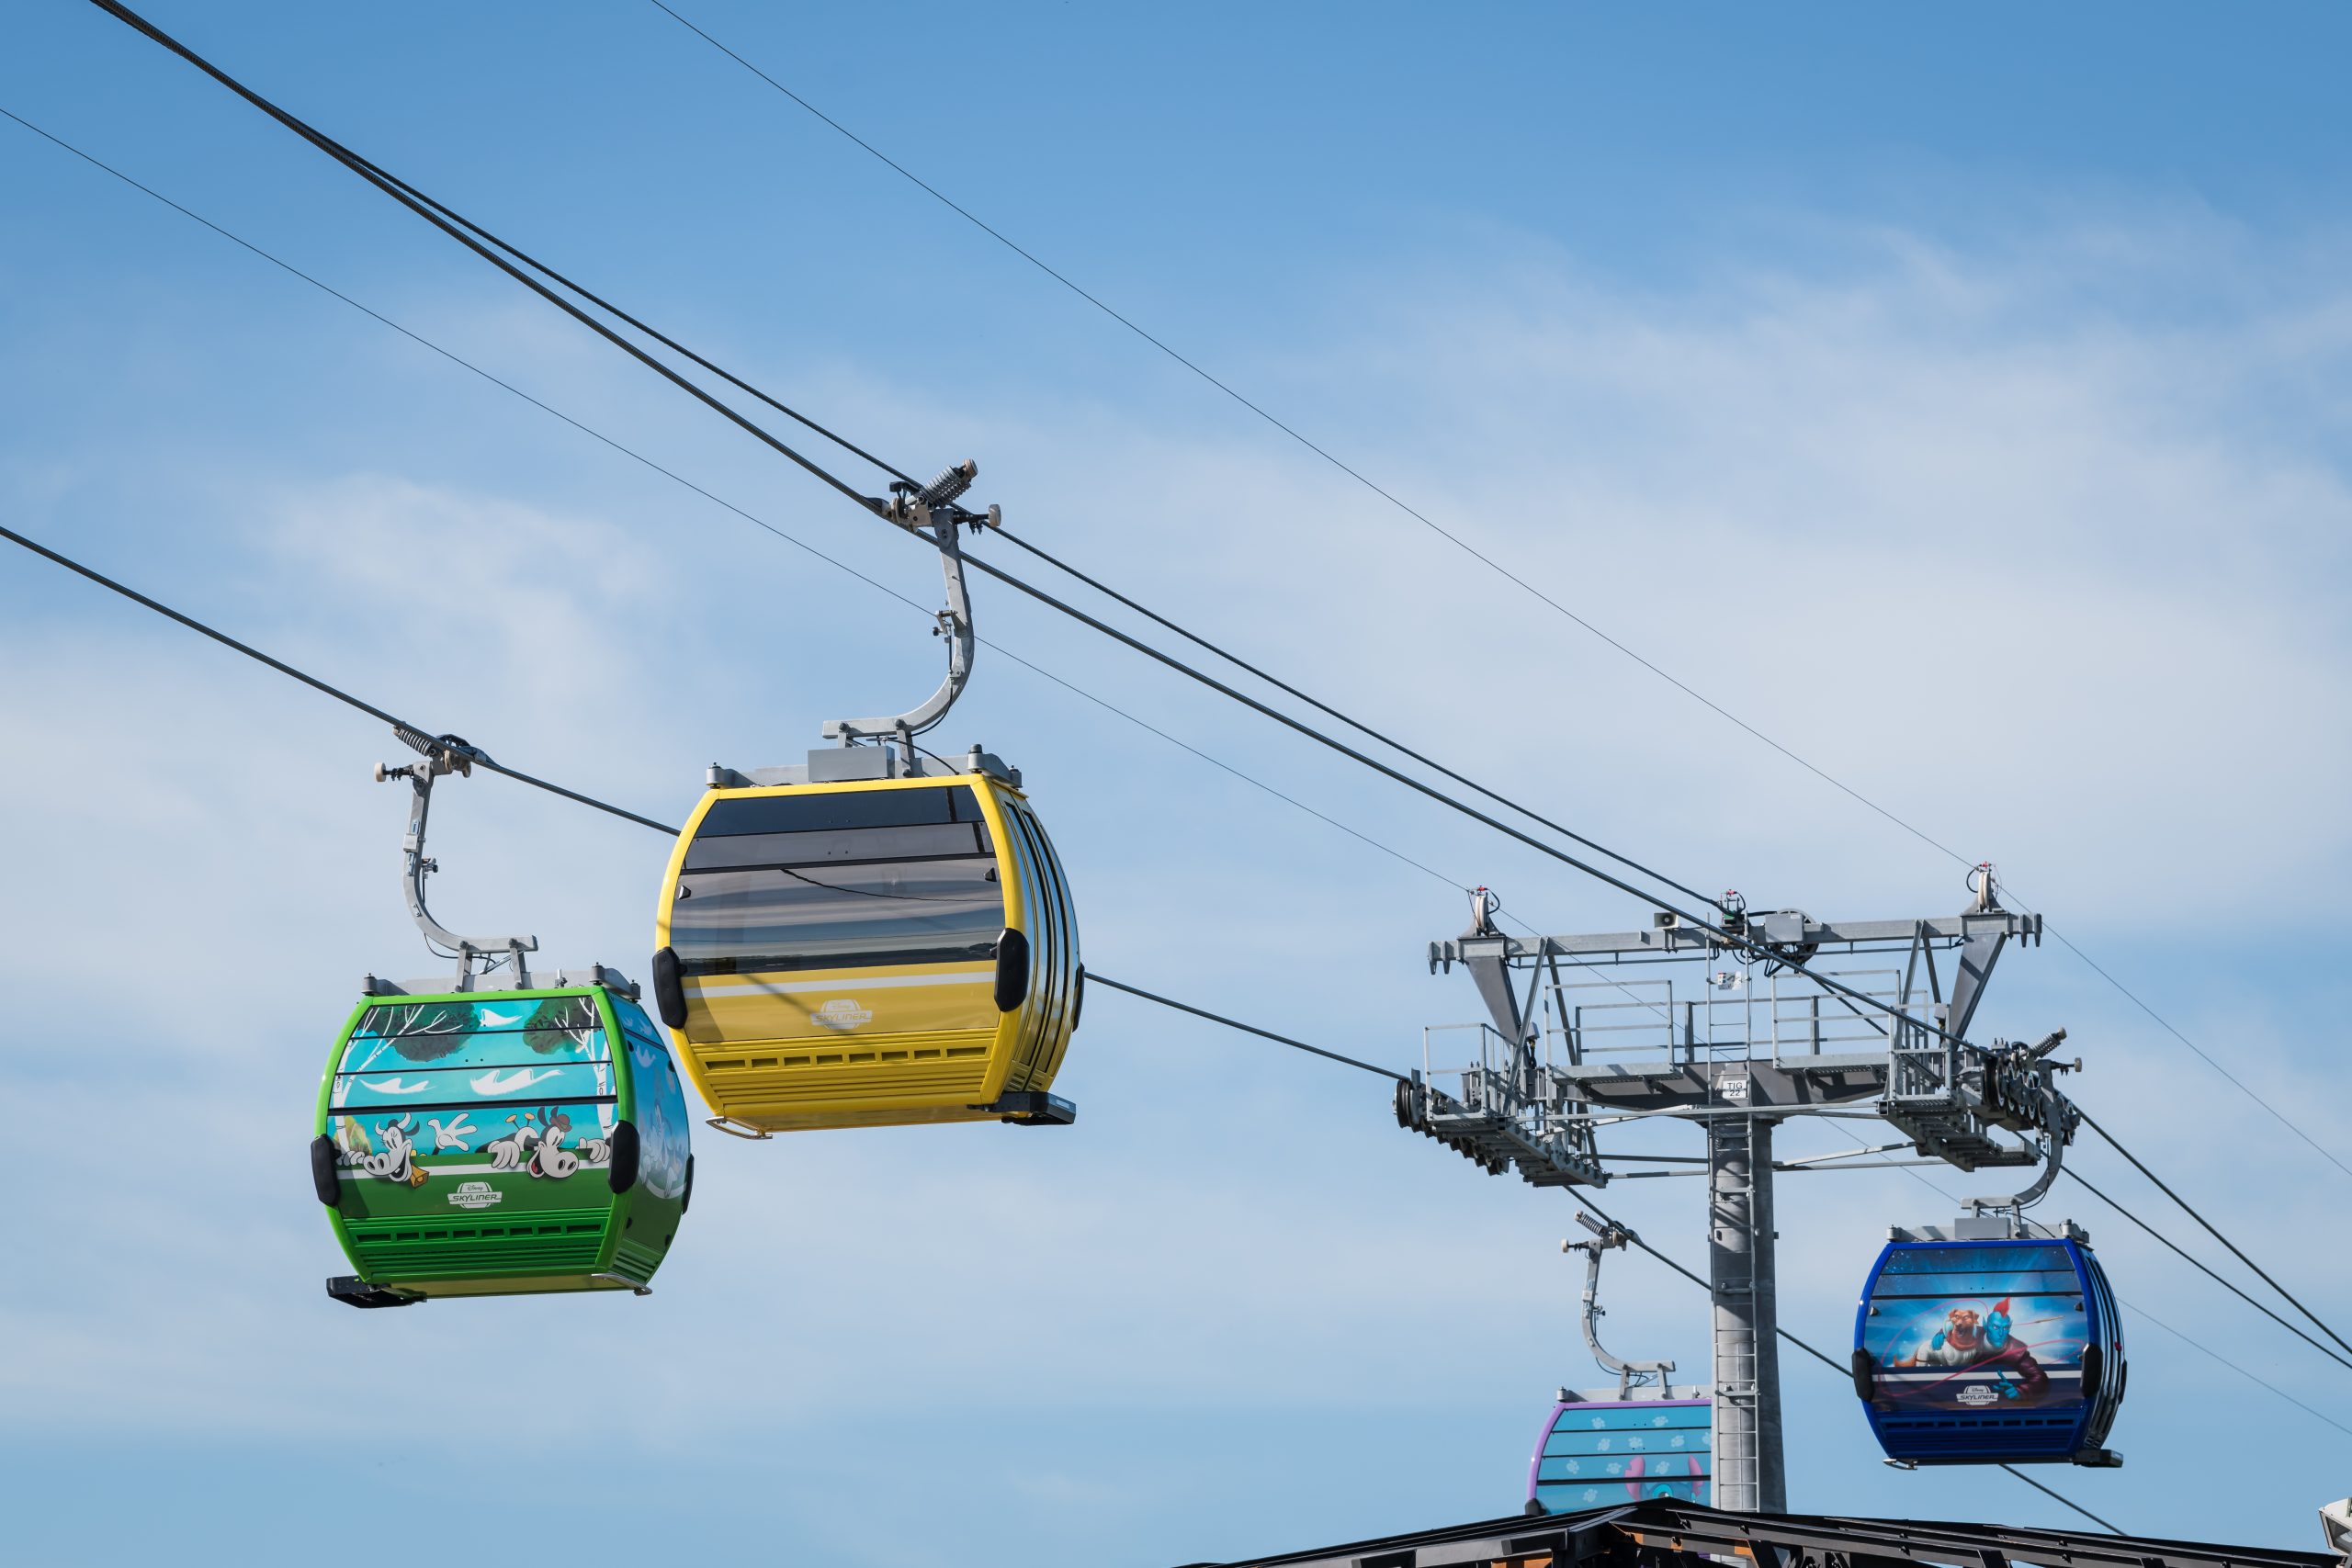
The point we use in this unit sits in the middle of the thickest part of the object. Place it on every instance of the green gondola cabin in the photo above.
(501, 1142)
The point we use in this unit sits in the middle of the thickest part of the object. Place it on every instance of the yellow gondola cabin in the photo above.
(869, 952)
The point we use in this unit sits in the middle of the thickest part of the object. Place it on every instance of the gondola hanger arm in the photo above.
(443, 755)
(930, 511)
(1631, 1375)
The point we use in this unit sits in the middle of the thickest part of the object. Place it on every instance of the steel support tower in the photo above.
(1741, 1285)
(1768, 1015)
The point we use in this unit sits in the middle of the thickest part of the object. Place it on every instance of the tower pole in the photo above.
(1749, 1472)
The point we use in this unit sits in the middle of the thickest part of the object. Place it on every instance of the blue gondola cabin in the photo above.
(2002, 1349)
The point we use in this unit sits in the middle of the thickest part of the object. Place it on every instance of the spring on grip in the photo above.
(952, 481)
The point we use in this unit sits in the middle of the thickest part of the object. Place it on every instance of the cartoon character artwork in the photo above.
(548, 1157)
(1982, 1343)
(454, 1136)
(1976, 1328)
(398, 1162)
(509, 1152)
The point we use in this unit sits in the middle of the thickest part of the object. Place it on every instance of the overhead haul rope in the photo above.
(338, 692)
(2166, 1189)
(465, 232)
(757, 521)
(1489, 562)
(281, 667)
(1392, 744)
(505, 255)
(2203, 1268)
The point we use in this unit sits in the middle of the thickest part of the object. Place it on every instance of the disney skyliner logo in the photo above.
(842, 1013)
(476, 1195)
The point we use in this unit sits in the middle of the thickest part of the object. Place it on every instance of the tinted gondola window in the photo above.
(837, 881)
(662, 1122)
(474, 1086)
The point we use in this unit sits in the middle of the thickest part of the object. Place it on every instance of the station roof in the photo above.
(1662, 1533)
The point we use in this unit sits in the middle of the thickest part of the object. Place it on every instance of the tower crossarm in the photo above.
(1668, 938)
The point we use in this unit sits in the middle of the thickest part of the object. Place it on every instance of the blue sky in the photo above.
(1960, 401)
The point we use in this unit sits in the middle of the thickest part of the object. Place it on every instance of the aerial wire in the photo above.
(425, 207)
(1473, 551)
(2202, 1267)
(2092, 1122)
(761, 523)
(1395, 745)
(458, 360)
(1094, 979)
(2166, 1023)
(386, 716)
(1336, 462)
(464, 232)
(480, 240)
(489, 246)
(432, 212)
(338, 692)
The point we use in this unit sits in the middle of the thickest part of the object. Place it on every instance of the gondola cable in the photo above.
(557, 789)
(1485, 559)
(2205, 1268)
(384, 182)
(385, 715)
(1236, 1023)
(338, 692)
(1395, 745)
(380, 714)
(2162, 1186)
(497, 251)
(758, 522)
(421, 341)
(433, 213)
